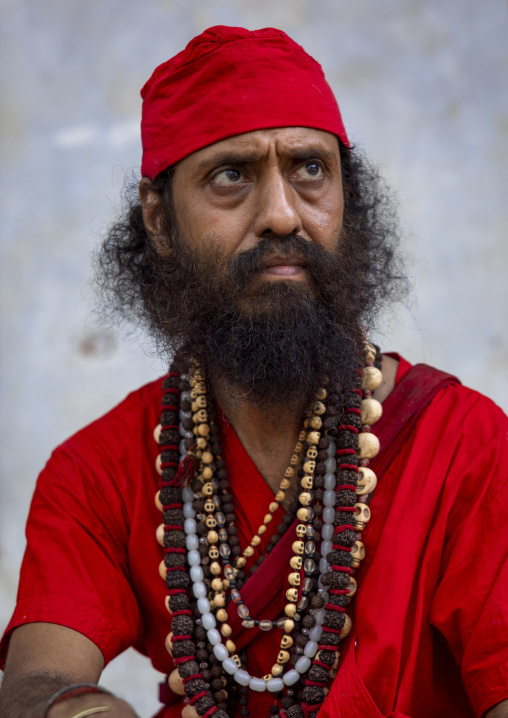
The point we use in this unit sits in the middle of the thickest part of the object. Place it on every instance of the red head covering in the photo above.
(227, 81)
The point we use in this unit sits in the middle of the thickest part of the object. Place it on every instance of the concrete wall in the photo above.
(422, 85)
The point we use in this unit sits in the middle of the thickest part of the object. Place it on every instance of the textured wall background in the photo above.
(423, 86)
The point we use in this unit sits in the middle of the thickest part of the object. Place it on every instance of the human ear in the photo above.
(152, 215)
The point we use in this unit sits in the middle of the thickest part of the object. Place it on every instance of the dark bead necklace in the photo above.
(203, 556)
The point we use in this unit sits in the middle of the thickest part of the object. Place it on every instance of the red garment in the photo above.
(432, 593)
(228, 81)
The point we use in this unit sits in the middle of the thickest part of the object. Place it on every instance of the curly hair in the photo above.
(128, 276)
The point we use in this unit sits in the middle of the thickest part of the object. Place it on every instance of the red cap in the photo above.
(227, 81)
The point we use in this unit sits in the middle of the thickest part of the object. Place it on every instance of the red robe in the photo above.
(431, 613)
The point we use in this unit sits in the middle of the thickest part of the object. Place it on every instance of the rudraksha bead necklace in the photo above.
(204, 559)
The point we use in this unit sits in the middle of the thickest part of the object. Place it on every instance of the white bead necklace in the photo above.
(241, 676)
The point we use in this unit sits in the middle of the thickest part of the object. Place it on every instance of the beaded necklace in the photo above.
(203, 558)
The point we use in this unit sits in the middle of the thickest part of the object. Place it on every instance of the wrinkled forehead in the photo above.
(276, 144)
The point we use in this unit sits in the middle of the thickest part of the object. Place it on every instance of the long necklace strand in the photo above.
(199, 534)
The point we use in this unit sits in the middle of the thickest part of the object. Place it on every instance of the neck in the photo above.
(268, 435)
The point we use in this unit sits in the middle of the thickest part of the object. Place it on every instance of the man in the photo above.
(260, 252)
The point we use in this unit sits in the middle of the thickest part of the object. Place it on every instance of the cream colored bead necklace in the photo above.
(224, 579)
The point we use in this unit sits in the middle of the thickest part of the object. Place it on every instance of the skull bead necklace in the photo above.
(198, 534)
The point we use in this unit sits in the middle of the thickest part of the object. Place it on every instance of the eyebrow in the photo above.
(228, 158)
(239, 157)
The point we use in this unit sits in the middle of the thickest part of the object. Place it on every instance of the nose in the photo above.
(277, 212)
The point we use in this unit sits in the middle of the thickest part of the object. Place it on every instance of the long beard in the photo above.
(273, 342)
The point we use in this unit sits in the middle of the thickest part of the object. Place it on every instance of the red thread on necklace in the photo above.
(339, 547)
(191, 678)
(345, 508)
(169, 407)
(172, 549)
(169, 464)
(173, 506)
(182, 637)
(182, 612)
(357, 391)
(166, 427)
(317, 662)
(330, 630)
(345, 487)
(173, 527)
(343, 527)
(196, 697)
(210, 712)
(348, 427)
(314, 683)
(171, 390)
(348, 467)
(339, 591)
(342, 568)
(353, 410)
(175, 568)
(169, 447)
(174, 591)
(308, 709)
(186, 471)
(333, 607)
(183, 659)
(343, 452)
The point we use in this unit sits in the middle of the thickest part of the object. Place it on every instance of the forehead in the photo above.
(282, 142)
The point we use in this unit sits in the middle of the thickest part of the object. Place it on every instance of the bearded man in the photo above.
(261, 250)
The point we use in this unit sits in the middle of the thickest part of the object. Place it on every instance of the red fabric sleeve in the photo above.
(75, 570)
(433, 638)
(470, 606)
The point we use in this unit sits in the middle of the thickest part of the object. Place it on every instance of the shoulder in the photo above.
(439, 415)
(109, 464)
(472, 423)
(464, 403)
(118, 436)
(462, 431)
(470, 410)
(138, 408)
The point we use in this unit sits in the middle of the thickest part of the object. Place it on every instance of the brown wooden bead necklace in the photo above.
(315, 659)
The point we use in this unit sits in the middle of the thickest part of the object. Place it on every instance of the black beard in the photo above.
(272, 342)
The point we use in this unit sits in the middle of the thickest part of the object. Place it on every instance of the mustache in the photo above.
(243, 267)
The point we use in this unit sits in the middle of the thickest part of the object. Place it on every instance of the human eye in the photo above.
(310, 170)
(227, 177)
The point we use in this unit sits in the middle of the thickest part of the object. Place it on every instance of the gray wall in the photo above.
(422, 85)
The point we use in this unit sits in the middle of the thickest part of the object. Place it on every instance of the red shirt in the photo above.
(432, 605)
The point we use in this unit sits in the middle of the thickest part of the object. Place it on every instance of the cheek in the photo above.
(226, 230)
(325, 220)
